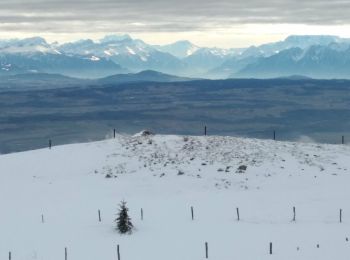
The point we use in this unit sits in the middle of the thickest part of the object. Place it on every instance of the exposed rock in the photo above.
(242, 169)
(180, 173)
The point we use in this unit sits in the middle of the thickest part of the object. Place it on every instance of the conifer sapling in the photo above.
(123, 220)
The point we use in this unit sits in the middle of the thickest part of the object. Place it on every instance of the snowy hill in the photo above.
(165, 176)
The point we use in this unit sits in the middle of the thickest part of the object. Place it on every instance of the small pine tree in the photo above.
(123, 220)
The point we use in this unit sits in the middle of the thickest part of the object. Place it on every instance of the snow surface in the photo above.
(94, 58)
(166, 175)
(131, 51)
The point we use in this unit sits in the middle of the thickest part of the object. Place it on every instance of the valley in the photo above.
(301, 109)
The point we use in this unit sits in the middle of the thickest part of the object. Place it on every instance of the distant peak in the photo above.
(150, 72)
(184, 42)
(85, 41)
(115, 38)
(35, 41)
(311, 37)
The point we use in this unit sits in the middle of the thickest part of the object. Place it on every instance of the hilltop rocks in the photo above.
(146, 133)
(242, 169)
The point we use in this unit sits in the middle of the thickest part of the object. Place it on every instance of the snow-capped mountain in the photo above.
(293, 41)
(109, 46)
(317, 61)
(28, 45)
(206, 59)
(132, 54)
(35, 55)
(252, 56)
(179, 49)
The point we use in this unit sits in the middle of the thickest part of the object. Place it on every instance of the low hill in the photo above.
(35, 81)
(143, 76)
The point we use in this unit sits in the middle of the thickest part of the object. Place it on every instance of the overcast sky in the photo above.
(222, 23)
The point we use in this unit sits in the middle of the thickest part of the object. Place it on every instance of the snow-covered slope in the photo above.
(166, 175)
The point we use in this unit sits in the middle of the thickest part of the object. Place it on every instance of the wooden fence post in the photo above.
(118, 252)
(114, 133)
(237, 210)
(65, 253)
(294, 214)
(10, 255)
(50, 144)
(99, 215)
(192, 214)
(340, 215)
(42, 218)
(205, 130)
(274, 135)
(141, 213)
(206, 250)
(270, 248)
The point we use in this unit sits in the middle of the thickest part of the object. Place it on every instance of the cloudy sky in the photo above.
(222, 23)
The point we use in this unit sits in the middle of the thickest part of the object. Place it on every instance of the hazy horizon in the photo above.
(224, 24)
(52, 40)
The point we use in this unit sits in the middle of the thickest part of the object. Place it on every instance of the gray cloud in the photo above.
(163, 15)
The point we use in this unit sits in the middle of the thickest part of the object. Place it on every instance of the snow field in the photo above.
(68, 185)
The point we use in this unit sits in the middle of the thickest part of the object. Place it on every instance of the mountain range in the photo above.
(312, 56)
